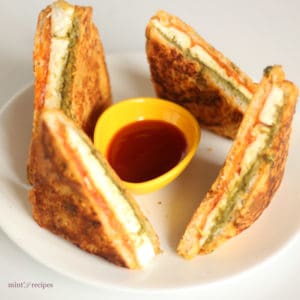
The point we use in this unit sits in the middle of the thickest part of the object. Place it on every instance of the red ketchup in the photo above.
(146, 149)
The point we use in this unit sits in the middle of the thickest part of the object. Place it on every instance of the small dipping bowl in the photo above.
(132, 110)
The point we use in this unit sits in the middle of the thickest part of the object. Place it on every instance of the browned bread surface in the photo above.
(65, 201)
(270, 165)
(178, 77)
(90, 91)
(87, 91)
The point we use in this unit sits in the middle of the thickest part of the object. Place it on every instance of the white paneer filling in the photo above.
(261, 134)
(113, 197)
(61, 18)
(61, 23)
(275, 99)
(199, 53)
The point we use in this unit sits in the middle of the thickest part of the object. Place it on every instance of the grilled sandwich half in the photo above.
(69, 67)
(69, 64)
(187, 70)
(77, 196)
(252, 171)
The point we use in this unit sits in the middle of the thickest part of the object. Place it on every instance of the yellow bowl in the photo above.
(135, 109)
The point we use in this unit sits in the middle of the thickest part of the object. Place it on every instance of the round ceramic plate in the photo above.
(168, 209)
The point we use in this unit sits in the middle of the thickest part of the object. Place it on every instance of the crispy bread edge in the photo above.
(62, 204)
(267, 182)
(41, 56)
(179, 78)
(90, 89)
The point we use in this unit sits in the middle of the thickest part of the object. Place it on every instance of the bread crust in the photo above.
(89, 90)
(41, 57)
(269, 173)
(90, 85)
(64, 204)
(179, 78)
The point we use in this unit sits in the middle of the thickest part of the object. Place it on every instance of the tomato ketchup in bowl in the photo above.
(144, 150)
(147, 141)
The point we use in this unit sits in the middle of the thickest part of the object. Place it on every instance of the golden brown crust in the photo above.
(265, 183)
(65, 205)
(41, 56)
(90, 87)
(179, 78)
(89, 91)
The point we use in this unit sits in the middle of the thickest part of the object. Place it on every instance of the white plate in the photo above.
(169, 209)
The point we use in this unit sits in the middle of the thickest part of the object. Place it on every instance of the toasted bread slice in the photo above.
(252, 171)
(69, 64)
(69, 67)
(78, 196)
(187, 70)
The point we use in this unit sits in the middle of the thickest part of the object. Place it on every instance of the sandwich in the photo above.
(69, 66)
(189, 71)
(77, 196)
(252, 172)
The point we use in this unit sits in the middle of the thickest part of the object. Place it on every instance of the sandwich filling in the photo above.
(63, 39)
(98, 176)
(255, 154)
(197, 53)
